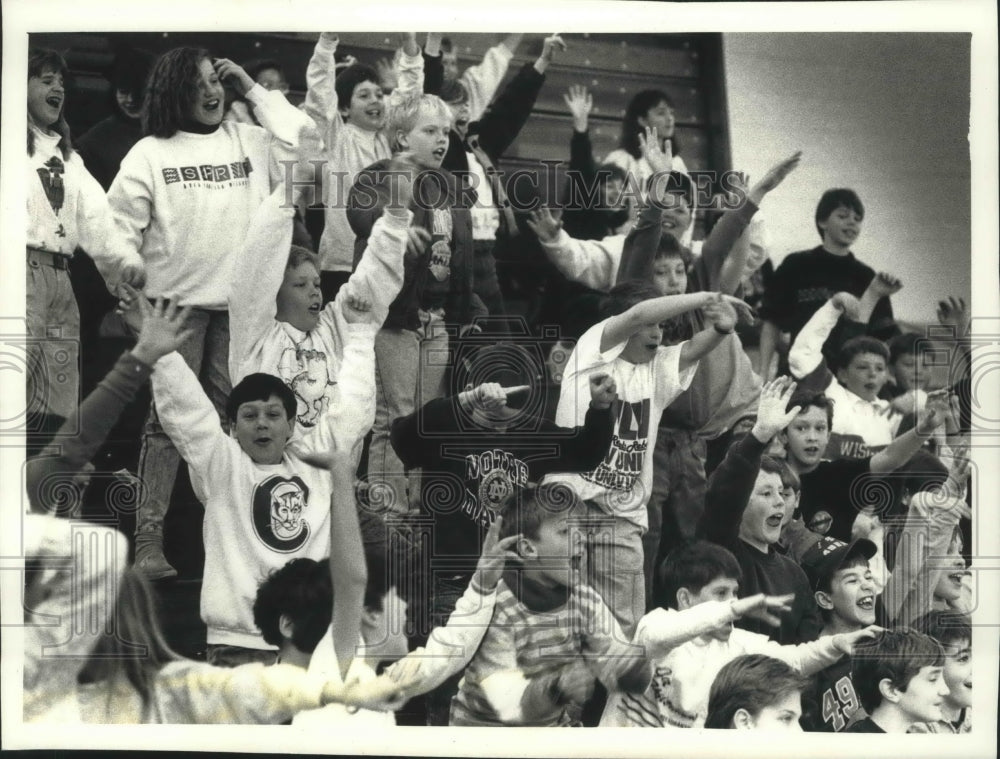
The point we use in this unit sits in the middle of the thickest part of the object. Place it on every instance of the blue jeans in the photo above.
(207, 353)
(409, 372)
(614, 566)
(677, 500)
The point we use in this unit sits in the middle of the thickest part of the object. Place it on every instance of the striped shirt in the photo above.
(524, 644)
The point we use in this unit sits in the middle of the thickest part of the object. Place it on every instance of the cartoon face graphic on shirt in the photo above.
(279, 504)
(307, 373)
(286, 510)
(440, 260)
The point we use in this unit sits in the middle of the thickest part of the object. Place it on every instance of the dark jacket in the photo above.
(365, 204)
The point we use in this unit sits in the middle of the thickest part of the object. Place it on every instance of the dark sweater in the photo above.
(422, 287)
(806, 280)
(105, 144)
(468, 471)
(729, 490)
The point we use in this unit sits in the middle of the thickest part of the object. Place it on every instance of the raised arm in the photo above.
(482, 80)
(79, 440)
(507, 115)
(593, 263)
(348, 571)
(409, 65)
(720, 252)
(321, 94)
(722, 316)
(253, 293)
(620, 328)
(930, 525)
(294, 136)
(899, 451)
(731, 484)
(805, 359)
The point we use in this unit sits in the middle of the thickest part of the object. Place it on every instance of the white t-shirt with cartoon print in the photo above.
(621, 484)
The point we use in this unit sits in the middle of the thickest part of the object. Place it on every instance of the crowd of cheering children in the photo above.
(689, 535)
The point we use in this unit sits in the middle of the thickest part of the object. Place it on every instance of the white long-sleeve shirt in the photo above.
(875, 422)
(258, 517)
(184, 202)
(593, 263)
(347, 149)
(449, 649)
(78, 215)
(313, 364)
(482, 80)
(686, 660)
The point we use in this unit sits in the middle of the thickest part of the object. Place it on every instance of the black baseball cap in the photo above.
(827, 555)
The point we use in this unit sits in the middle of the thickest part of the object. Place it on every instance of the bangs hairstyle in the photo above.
(693, 566)
(350, 78)
(834, 199)
(897, 655)
(299, 255)
(171, 91)
(624, 295)
(260, 387)
(949, 628)
(858, 345)
(404, 110)
(136, 647)
(526, 511)
(302, 591)
(670, 247)
(824, 582)
(637, 108)
(752, 682)
(41, 60)
(813, 400)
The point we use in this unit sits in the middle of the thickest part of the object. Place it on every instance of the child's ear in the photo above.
(888, 690)
(370, 616)
(841, 376)
(742, 720)
(823, 600)
(526, 548)
(683, 599)
(285, 626)
(402, 139)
